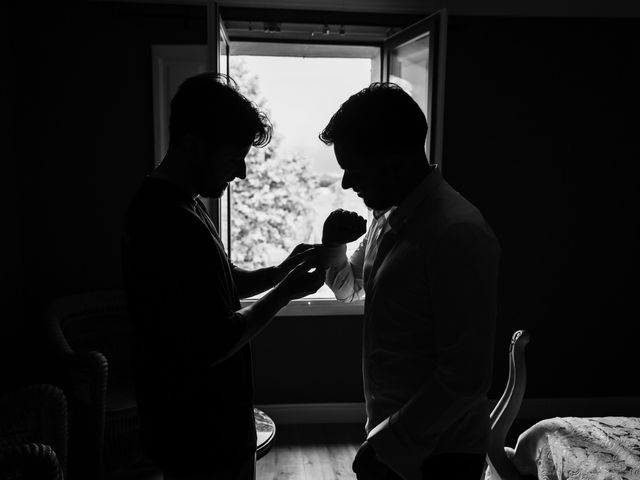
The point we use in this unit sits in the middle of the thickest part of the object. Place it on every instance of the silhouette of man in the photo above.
(427, 269)
(190, 336)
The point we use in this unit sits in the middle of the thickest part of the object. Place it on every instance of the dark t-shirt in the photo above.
(195, 401)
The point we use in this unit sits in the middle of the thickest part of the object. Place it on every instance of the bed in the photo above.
(560, 448)
(573, 448)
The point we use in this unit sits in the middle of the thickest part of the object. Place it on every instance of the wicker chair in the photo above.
(98, 321)
(33, 433)
(82, 376)
(507, 408)
(30, 461)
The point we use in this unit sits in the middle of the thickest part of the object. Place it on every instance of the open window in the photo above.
(299, 70)
(414, 58)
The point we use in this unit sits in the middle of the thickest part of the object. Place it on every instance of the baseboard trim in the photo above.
(304, 413)
(532, 408)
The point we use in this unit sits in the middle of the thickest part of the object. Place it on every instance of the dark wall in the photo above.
(89, 109)
(309, 360)
(83, 101)
(538, 133)
(10, 250)
(86, 123)
(541, 132)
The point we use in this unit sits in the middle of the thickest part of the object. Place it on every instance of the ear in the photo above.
(190, 143)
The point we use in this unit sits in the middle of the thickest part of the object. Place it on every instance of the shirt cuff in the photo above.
(391, 450)
(334, 256)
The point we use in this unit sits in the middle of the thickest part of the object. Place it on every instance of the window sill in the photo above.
(317, 307)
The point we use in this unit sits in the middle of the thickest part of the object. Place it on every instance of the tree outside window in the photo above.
(286, 196)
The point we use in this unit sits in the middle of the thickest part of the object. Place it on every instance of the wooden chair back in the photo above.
(507, 408)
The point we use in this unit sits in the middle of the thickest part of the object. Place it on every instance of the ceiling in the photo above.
(547, 8)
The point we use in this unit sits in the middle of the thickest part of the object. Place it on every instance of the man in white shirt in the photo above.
(428, 270)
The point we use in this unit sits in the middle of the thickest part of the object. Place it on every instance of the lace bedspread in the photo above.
(571, 448)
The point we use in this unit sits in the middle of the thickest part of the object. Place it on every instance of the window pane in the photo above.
(294, 182)
(409, 68)
(223, 53)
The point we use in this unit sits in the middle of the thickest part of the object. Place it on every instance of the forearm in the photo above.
(464, 309)
(260, 313)
(343, 282)
(254, 282)
(464, 280)
(439, 404)
(405, 439)
(342, 275)
(247, 323)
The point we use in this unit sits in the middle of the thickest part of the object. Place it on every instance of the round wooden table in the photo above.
(266, 431)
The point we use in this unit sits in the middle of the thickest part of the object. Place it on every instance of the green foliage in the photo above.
(271, 208)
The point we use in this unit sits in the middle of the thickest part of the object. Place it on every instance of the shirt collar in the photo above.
(378, 214)
(405, 210)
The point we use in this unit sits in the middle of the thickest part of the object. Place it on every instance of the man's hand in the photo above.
(303, 280)
(342, 227)
(299, 254)
(367, 467)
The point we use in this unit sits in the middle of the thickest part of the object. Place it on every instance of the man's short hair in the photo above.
(210, 107)
(378, 117)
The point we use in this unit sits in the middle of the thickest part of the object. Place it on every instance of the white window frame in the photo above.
(312, 306)
(309, 307)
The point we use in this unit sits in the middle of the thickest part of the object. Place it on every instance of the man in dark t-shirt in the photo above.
(190, 337)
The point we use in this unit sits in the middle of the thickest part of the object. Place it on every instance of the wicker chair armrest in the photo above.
(35, 414)
(86, 377)
(30, 461)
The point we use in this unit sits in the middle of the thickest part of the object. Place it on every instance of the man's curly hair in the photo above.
(211, 107)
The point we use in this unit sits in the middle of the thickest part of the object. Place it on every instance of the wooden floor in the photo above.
(311, 452)
(299, 452)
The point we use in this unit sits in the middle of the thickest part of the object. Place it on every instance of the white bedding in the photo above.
(572, 448)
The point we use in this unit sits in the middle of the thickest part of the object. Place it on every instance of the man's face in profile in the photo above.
(220, 165)
(368, 176)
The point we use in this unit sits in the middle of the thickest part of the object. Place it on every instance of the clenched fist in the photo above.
(342, 227)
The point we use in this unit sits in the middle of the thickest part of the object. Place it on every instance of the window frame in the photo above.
(296, 34)
(315, 307)
(304, 306)
(436, 27)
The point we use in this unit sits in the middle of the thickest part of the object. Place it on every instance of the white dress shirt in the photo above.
(429, 321)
